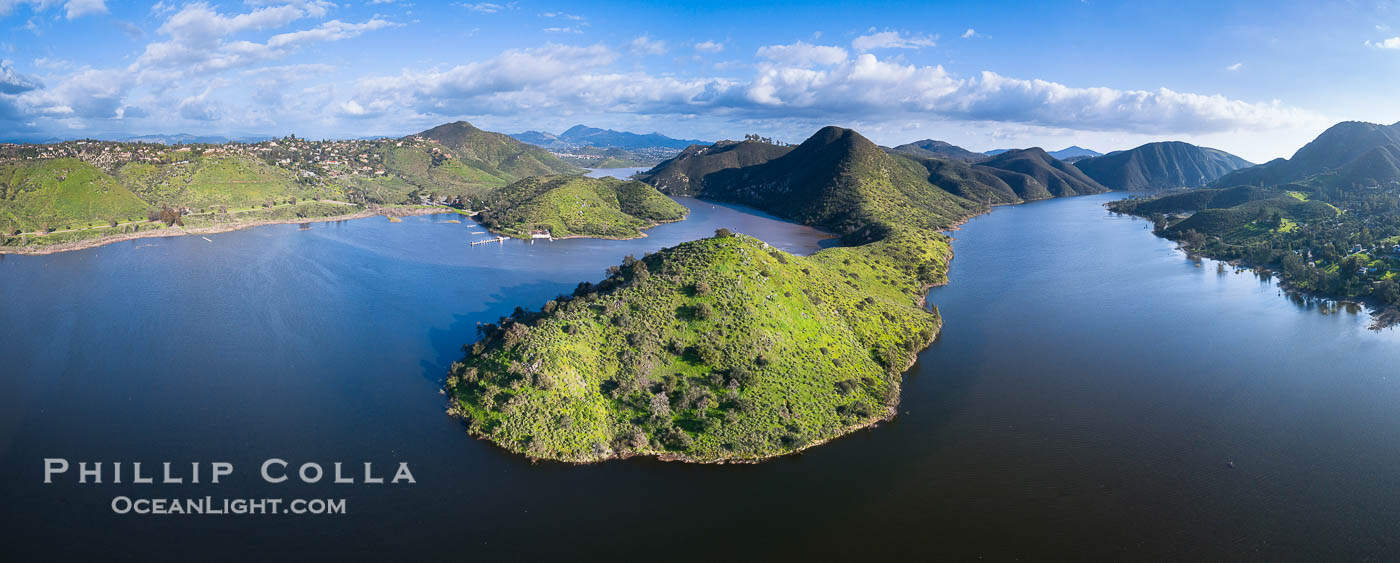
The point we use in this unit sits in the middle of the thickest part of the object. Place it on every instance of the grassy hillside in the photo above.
(716, 349)
(507, 158)
(62, 193)
(568, 206)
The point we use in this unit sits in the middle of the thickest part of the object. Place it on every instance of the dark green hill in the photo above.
(496, 153)
(976, 183)
(685, 173)
(577, 206)
(939, 149)
(1057, 178)
(1157, 166)
(1336, 148)
(841, 181)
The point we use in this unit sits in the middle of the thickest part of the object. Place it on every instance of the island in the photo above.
(558, 207)
(725, 349)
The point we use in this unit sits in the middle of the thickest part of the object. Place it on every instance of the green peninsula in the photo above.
(577, 206)
(725, 349)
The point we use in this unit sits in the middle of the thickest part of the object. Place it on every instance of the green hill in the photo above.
(1044, 174)
(497, 154)
(841, 181)
(685, 173)
(60, 194)
(206, 181)
(1334, 150)
(716, 349)
(570, 206)
(1158, 166)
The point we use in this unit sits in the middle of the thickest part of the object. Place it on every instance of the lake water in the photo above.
(621, 173)
(1087, 393)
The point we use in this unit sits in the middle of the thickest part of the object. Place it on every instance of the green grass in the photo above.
(578, 206)
(721, 348)
(61, 194)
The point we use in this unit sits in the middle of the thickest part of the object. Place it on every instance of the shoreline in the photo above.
(1382, 316)
(641, 233)
(84, 244)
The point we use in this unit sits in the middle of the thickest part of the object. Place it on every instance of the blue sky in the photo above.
(1255, 78)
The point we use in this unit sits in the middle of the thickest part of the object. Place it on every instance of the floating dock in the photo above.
(489, 241)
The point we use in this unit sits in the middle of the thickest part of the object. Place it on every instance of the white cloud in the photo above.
(562, 15)
(334, 30)
(12, 82)
(802, 54)
(1235, 67)
(199, 108)
(1392, 43)
(644, 45)
(487, 7)
(892, 40)
(75, 9)
(709, 46)
(972, 34)
(813, 82)
(198, 38)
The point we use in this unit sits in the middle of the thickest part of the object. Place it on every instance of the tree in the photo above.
(723, 233)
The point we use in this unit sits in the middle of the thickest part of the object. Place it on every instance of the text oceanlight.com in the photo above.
(236, 506)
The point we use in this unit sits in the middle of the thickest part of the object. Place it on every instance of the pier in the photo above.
(489, 241)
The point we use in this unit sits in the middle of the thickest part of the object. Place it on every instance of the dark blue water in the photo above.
(1083, 401)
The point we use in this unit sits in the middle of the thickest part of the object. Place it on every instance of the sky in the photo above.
(1258, 79)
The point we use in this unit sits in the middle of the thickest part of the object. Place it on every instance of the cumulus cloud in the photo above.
(1235, 67)
(198, 38)
(972, 34)
(709, 46)
(802, 54)
(893, 40)
(801, 80)
(1392, 43)
(12, 82)
(644, 45)
(199, 108)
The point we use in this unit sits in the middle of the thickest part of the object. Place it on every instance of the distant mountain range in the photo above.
(1349, 154)
(581, 135)
(1066, 153)
(940, 149)
(1156, 166)
(188, 139)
